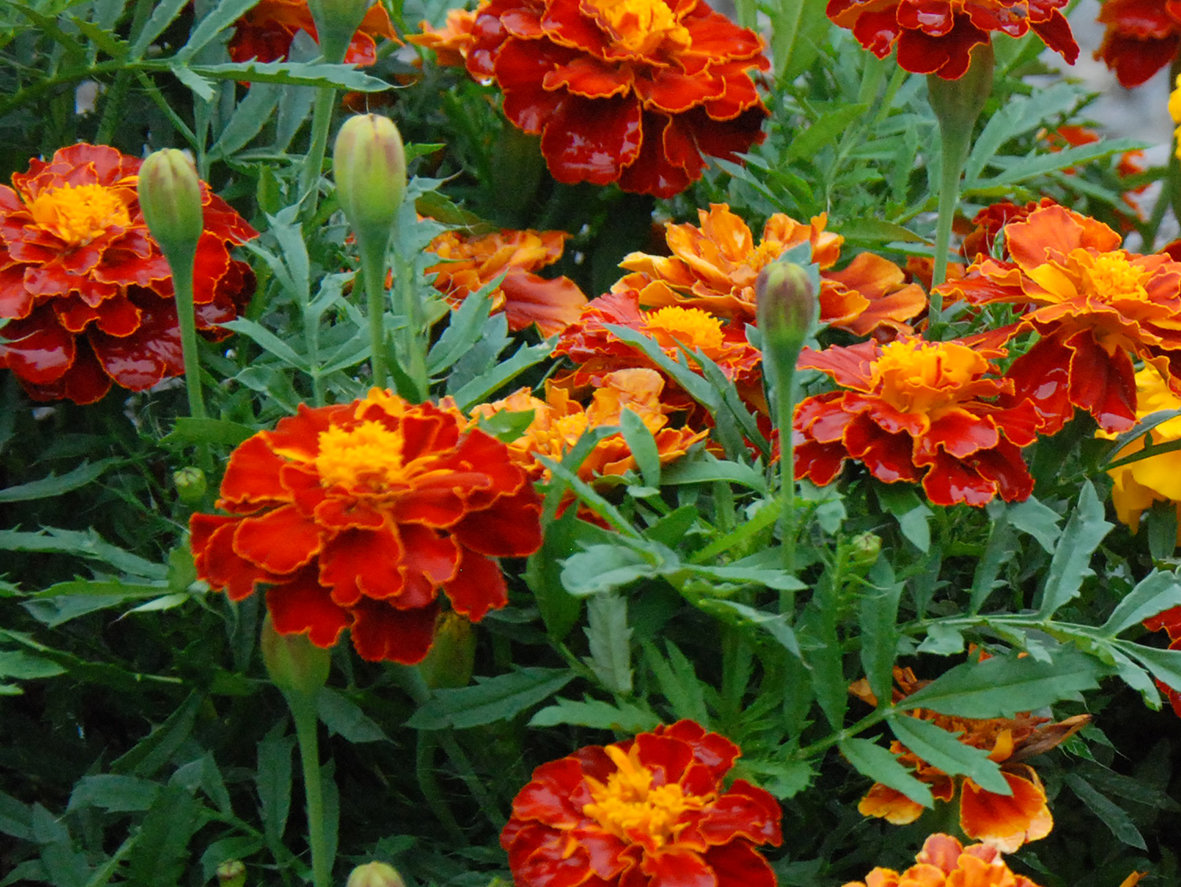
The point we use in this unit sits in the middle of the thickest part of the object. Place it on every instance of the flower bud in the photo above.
(336, 23)
(375, 874)
(170, 198)
(190, 485)
(369, 165)
(785, 304)
(231, 873)
(294, 663)
(452, 656)
(864, 549)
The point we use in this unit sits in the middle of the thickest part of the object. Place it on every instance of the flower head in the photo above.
(265, 32)
(714, 266)
(649, 810)
(938, 37)
(915, 411)
(451, 42)
(1141, 37)
(627, 91)
(470, 262)
(357, 516)
(945, 862)
(86, 290)
(1095, 306)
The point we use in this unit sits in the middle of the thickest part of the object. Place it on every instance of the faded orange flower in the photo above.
(451, 42)
(945, 862)
(1001, 821)
(713, 266)
(473, 261)
(1096, 307)
(1140, 38)
(265, 32)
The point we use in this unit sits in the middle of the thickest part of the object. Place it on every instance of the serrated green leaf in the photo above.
(597, 715)
(1109, 813)
(943, 750)
(710, 470)
(1155, 593)
(344, 718)
(161, 854)
(27, 666)
(85, 544)
(490, 700)
(642, 445)
(603, 568)
(54, 485)
(913, 515)
(1072, 556)
(678, 682)
(1038, 520)
(879, 637)
(880, 765)
(609, 641)
(114, 793)
(273, 780)
(219, 19)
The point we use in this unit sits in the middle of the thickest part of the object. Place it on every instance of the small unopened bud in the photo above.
(231, 873)
(369, 165)
(294, 663)
(864, 549)
(785, 303)
(190, 485)
(170, 198)
(336, 23)
(452, 656)
(375, 874)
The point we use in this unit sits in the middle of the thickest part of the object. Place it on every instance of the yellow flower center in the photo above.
(640, 26)
(918, 377)
(367, 455)
(1111, 277)
(80, 213)
(629, 806)
(690, 327)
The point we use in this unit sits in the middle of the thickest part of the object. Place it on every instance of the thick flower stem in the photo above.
(313, 163)
(957, 105)
(785, 404)
(373, 269)
(303, 712)
(412, 350)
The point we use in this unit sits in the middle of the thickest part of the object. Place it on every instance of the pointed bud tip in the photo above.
(171, 201)
(369, 166)
(786, 304)
(375, 874)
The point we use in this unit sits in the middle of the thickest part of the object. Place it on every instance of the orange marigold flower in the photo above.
(86, 290)
(945, 861)
(1001, 821)
(559, 421)
(1095, 306)
(714, 266)
(471, 262)
(649, 810)
(626, 91)
(987, 225)
(916, 411)
(451, 42)
(1141, 37)
(938, 37)
(356, 516)
(266, 31)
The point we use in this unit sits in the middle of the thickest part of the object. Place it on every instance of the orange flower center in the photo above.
(918, 377)
(79, 213)
(367, 455)
(629, 806)
(640, 26)
(1113, 277)
(690, 327)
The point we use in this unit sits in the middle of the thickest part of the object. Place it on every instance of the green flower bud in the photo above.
(785, 305)
(336, 23)
(295, 665)
(190, 485)
(864, 549)
(369, 165)
(170, 198)
(452, 656)
(375, 874)
(231, 873)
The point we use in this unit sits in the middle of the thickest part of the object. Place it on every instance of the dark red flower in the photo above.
(266, 31)
(1142, 36)
(86, 290)
(634, 93)
(357, 516)
(937, 36)
(646, 812)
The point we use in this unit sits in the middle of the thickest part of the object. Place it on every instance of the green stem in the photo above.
(784, 413)
(303, 711)
(412, 352)
(954, 147)
(313, 163)
(373, 269)
(182, 264)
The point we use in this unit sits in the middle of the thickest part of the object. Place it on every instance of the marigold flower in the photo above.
(356, 516)
(559, 421)
(265, 32)
(627, 91)
(648, 810)
(945, 861)
(451, 42)
(938, 37)
(87, 291)
(1169, 622)
(714, 266)
(1141, 37)
(473, 261)
(1095, 306)
(1001, 821)
(916, 411)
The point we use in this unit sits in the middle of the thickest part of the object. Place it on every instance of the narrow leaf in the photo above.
(880, 765)
(943, 750)
(490, 700)
(1069, 567)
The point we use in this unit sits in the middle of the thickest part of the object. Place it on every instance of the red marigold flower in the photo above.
(990, 221)
(626, 91)
(471, 262)
(84, 287)
(1169, 622)
(356, 516)
(1141, 37)
(451, 42)
(916, 411)
(1095, 306)
(714, 267)
(649, 810)
(945, 861)
(1004, 822)
(937, 36)
(266, 31)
